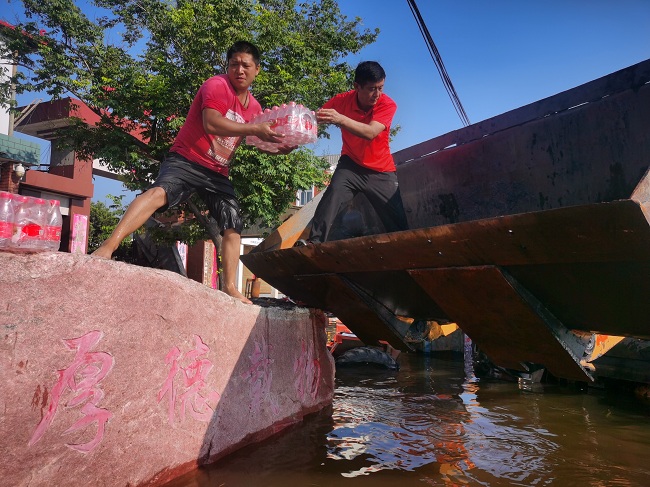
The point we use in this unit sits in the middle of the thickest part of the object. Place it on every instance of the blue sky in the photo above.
(499, 54)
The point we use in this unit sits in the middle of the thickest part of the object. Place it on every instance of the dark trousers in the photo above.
(380, 188)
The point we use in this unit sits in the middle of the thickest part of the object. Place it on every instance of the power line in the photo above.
(440, 66)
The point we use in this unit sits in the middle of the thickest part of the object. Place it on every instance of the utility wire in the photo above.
(440, 66)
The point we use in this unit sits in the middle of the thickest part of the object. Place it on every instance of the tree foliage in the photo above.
(103, 220)
(138, 64)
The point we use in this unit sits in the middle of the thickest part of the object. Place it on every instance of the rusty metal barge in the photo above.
(530, 230)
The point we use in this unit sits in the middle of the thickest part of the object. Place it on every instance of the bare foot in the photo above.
(233, 292)
(102, 253)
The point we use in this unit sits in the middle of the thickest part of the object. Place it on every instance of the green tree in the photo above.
(138, 64)
(103, 220)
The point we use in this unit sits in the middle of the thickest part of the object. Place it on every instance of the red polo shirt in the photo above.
(372, 154)
(213, 151)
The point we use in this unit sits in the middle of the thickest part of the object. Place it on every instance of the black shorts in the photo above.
(180, 177)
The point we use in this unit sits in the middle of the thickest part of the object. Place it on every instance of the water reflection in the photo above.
(434, 423)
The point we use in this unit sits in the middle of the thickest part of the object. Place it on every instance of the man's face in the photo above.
(242, 70)
(369, 93)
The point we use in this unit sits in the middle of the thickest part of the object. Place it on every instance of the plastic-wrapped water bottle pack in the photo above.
(28, 223)
(296, 122)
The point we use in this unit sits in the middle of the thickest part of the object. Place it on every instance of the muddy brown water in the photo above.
(434, 423)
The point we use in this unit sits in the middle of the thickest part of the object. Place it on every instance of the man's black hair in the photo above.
(246, 48)
(369, 72)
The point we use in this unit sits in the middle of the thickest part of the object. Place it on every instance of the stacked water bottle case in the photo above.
(296, 122)
(28, 223)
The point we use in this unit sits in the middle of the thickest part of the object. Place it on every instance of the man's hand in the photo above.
(216, 124)
(280, 150)
(366, 131)
(329, 115)
(264, 132)
(286, 149)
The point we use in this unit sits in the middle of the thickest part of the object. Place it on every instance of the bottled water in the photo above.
(251, 139)
(265, 116)
(290, 124)
(275, 116)
(30, 223)
(53, 226)
(296, 122)
(33, 231)
(6, 219)
(21, 220)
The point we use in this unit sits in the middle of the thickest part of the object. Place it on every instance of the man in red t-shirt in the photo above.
(366, 166)
(198, 160)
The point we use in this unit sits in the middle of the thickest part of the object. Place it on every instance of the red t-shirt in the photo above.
(373, 154)
(213, 151)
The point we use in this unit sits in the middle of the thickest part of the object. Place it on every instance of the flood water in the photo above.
(434, 423)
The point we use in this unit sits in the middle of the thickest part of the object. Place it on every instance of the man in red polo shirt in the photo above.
(366, 166)
(199, 159)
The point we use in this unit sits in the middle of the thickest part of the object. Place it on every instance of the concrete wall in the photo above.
(112, 374)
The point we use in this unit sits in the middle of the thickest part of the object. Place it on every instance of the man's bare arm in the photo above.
(366, 131)
(216, 124)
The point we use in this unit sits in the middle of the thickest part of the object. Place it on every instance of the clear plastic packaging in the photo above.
(53, 226)
(33, 224)
(6, 218)
(33, 232)
(296, 122)
(21, 220)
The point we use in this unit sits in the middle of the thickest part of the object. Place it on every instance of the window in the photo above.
(304, 196)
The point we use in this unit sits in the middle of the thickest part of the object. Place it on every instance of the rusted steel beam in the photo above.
(627, 360)
(607, 232)
(589, 265)
(592, 154)
(607, 298)
(351, 304)
(507, 323)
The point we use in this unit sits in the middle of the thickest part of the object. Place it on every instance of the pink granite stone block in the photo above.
(112, 374)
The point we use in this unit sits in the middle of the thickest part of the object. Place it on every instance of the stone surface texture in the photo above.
(117, 375)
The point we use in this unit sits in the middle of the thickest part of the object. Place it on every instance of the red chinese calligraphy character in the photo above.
(196, 393)
(168, 386)
(308, 372)
(260, 374)
(82, 378)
